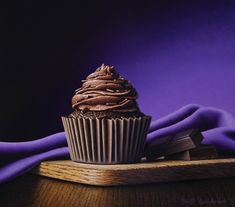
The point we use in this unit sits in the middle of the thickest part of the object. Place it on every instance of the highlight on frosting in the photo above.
(104, 90)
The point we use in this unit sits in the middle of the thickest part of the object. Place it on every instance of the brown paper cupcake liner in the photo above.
(106, 141)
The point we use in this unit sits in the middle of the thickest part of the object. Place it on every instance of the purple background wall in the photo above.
(183, 54)
(174, 52)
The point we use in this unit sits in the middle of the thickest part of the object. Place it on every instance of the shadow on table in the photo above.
(31, 190)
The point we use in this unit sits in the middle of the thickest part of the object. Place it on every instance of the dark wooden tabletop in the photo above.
(32, 190)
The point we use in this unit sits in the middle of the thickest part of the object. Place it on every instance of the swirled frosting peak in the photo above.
(105, 90)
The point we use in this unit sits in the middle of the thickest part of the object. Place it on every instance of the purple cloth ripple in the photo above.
(216, 125)
(19, 167)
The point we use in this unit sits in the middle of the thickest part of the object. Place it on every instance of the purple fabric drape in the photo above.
(216, 125)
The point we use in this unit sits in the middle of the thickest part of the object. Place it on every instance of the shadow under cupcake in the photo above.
(107, 126)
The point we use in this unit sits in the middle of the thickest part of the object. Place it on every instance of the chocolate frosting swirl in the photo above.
(105, 90)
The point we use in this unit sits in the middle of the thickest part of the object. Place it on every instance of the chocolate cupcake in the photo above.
(107, 126)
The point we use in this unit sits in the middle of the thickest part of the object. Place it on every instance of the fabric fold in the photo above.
(27, 148)
(19, 167)
(216, 125)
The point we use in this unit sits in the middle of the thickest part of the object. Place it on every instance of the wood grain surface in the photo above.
(36, 191)
(145, 172)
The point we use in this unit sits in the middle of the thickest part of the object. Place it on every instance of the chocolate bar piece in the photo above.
(177, 143)
(202, 152)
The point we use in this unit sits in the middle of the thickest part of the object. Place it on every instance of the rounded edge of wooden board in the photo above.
(140, 173)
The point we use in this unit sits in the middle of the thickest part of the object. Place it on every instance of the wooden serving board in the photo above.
(144, 172)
